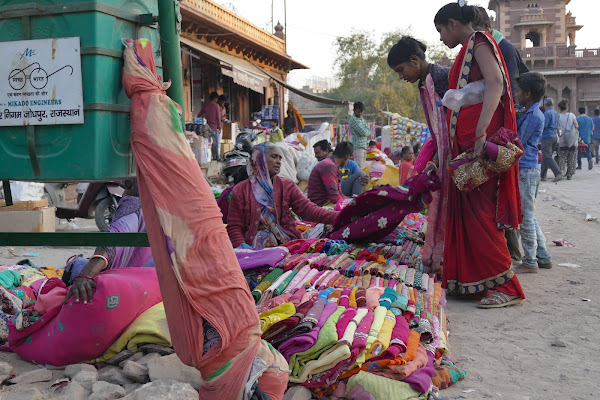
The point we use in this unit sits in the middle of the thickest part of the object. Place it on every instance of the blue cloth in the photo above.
(550, 123)
(586, 125)
(350, 168)
(596, 133)
(532, 237)
(530, 126)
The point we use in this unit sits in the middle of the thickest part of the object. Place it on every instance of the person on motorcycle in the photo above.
(260, 213)
(79, 272)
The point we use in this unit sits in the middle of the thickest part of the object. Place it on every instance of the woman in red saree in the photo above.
(476, 258)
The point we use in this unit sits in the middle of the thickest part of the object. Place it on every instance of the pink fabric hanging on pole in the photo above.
(199, 275)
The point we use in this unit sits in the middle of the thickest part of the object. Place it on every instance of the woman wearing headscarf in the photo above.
(128, 218)
(260, 213)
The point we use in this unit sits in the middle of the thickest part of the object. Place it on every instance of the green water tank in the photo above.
(63, 148)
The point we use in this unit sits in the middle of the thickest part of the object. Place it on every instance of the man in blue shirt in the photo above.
(549, 141)
(530, 89)
(596, 135)
(586, 125)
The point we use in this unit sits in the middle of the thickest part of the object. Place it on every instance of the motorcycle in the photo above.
(98, 200)
(236, 160)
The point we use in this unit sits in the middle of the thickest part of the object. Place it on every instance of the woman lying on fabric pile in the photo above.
(128, 218)
(261, 207)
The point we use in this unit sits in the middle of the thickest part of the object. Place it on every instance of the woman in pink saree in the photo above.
(210, 312)
(407, 58)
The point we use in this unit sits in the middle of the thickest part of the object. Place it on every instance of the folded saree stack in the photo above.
(358, 315)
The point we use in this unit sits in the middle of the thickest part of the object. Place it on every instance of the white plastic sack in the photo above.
(26, 191)
(289, 160)
(305, 165)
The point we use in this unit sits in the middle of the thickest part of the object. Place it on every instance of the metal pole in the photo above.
(169, 20)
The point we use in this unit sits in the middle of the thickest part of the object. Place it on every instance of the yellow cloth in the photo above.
(391, 176)
(352, 299)
(379, 316)
(276, 135)
(149, 327)
(383, 388)
(279, 313)
(385, 335)
(52, 272)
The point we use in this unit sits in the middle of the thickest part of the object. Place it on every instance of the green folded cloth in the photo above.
(266, 283)
(279, 289)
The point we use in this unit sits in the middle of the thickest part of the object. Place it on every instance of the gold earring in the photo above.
(418, 64)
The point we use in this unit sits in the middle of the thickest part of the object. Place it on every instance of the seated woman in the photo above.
(128, 218)
(260, 211)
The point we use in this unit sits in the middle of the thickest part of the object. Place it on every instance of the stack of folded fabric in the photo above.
(368, 316)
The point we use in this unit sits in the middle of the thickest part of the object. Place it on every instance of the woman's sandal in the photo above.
(499, 300)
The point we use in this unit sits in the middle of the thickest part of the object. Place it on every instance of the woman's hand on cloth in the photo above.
(480, 140)
(82, 288)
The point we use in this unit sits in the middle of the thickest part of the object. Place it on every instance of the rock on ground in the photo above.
(113, 375)
(37, 375)
(86, 379)
(106, 391)
(27, 394)
(73, 369)
(6, 371)
(73, 391)
(164, 390)
(134, 357)
(171, 367)
(147, 358)
(136, 372)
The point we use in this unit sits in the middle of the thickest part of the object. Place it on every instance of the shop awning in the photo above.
(242, 72)
(310, 96)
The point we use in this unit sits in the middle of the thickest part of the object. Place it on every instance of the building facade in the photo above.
(545, 33)
(224, 53)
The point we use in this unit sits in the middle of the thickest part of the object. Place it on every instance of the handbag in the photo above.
(502, 152)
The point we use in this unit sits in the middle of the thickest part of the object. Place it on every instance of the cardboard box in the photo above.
(229, 131)
(24, 205)
(41, 220)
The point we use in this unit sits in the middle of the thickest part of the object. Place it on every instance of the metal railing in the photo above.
(236, 23)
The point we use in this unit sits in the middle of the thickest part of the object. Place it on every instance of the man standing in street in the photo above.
(212, 112)
(596, 135)
(360, 132)
(586, 125)
(549, 140)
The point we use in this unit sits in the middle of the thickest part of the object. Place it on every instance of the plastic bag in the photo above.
(471, 94)
(305, 165)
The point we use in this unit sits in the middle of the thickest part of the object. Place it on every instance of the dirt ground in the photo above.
(508, 353)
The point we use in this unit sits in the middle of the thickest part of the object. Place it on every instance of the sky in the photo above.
(313, 25)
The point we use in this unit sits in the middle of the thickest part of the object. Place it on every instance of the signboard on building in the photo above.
(40, 82)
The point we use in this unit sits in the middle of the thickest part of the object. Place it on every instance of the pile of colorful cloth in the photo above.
(359, 316)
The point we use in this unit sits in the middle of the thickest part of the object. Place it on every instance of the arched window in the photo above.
(533, 39)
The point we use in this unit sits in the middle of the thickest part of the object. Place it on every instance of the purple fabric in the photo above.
(127, 205)
(420, 380)
(262, 258)
(304, 342)
(132, 257)
(397, 342)
(306, 324)
(375, 214)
